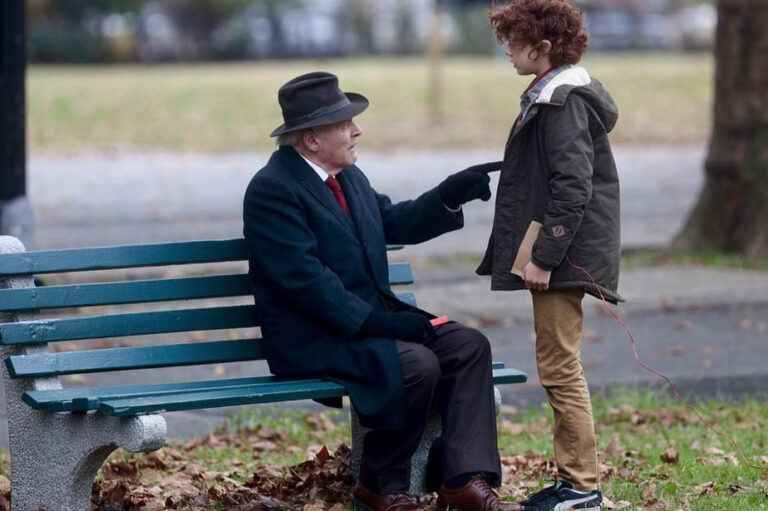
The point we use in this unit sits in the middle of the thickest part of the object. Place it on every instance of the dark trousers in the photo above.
(451, 375)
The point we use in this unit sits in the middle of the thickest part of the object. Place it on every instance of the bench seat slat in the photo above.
(143, 357)
(62, 400)
(284, 391)
(120, 325)
(137, 399)
(126, 256)
(146, 291)
(89, 398)
(251, 394)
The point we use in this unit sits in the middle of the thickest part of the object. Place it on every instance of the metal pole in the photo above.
(15, 210)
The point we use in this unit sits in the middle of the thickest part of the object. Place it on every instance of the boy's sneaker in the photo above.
(560, 497)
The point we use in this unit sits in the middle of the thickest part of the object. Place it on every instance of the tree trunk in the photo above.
(731, 214)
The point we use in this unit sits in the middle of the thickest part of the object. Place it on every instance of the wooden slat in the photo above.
(508, 375)
(120, 293)
(145, 291)
(400, 274)
(123, 256)
(119, 325)
(261, 393)
(126, 256)
(87, 398)
(144, 357)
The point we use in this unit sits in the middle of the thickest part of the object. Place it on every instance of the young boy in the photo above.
(556, 225)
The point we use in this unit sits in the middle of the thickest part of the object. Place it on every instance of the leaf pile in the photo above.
(321, 483)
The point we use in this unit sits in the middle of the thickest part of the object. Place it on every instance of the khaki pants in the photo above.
(558, 321)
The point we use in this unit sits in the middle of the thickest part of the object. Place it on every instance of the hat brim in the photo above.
(357, 105)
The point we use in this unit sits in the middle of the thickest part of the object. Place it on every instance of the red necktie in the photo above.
(338, 193)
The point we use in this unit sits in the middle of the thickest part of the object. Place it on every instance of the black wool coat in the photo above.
(559, 170)
(317, 275)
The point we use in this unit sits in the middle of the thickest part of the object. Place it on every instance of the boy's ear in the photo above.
(545, 47)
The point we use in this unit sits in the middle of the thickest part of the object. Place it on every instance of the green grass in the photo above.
(663, 98)
(656, 453)
(661, 257)
(721, 446)
(644, 425)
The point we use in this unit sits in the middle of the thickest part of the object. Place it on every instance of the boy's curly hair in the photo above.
(532, 21)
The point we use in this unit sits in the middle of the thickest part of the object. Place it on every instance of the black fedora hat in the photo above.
(314, 99)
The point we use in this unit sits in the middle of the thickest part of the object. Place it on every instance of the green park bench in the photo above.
(59, 437)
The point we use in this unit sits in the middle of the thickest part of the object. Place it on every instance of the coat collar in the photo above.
(554, 92)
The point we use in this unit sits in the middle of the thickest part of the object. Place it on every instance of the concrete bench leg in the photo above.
(55, 456)
(420, 457)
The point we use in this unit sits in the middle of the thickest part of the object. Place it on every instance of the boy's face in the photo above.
(520, 54)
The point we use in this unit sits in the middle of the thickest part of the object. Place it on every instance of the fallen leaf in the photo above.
(513, 428)
(671, 455)
(707, 488)
(614, 448)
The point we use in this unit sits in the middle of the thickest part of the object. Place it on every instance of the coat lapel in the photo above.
(356, 206)
(309, 179)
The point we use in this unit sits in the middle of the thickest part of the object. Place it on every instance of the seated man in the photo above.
(317, 232)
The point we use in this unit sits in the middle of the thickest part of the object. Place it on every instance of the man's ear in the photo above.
(310, 141)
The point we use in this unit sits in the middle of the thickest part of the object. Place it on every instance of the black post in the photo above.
(15, 211)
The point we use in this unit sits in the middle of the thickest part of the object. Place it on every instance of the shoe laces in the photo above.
(403, 502)
(492, 495)
(544, 493)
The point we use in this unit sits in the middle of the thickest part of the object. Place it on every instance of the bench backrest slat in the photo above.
(126, 256)
(146, 291)
(143, 357)
(121, 325)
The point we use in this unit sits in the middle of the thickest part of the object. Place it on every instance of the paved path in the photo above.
(124, 198)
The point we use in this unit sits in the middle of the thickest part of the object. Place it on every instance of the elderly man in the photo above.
(317, 233)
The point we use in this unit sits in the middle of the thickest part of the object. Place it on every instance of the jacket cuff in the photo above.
(544, 266)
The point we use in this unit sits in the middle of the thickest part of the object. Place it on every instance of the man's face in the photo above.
(335, 145)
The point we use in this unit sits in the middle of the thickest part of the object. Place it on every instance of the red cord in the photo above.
(611, 312)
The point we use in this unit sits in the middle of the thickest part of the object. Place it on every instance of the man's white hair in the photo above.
(291, 138)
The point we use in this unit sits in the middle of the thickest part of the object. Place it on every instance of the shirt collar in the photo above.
(321, 173)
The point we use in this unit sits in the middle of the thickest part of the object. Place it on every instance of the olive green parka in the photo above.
(559, 170)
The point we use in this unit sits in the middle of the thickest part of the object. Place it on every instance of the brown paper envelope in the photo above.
(526, 248)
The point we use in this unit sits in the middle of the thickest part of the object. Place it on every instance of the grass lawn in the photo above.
(655, 454)
(663, 98)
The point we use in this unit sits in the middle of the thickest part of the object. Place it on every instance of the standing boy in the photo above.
(556, 226)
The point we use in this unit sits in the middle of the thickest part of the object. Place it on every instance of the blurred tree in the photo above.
(197, 19)
(404, 28)
(359, 15)
(732, 210)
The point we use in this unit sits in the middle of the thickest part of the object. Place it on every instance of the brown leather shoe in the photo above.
(364, 500)
(476, 495)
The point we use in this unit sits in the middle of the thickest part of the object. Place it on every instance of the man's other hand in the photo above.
(406, 326)
(467, 185)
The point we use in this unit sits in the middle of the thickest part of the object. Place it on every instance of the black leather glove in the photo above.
(406, 326)
(467, 185)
